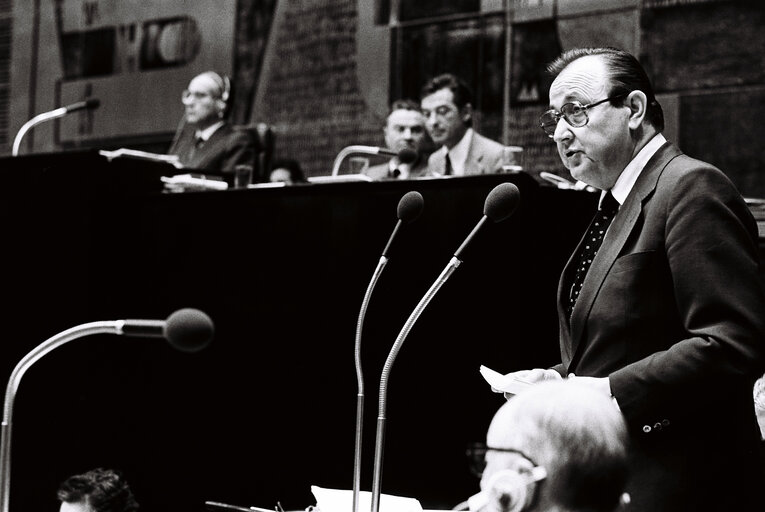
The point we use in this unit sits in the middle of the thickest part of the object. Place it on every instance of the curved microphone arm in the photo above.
(360, 378)
(380, 440)
(39, 118)
(112, 327)
(349, 150)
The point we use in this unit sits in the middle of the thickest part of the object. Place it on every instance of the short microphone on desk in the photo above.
(188, 330)
(370, 150)
(409, 209)
(90, 103)
(500, 203)
(407, 156)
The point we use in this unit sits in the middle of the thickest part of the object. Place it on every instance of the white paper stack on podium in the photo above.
(338, 500)
(190, 182)
(142, 155)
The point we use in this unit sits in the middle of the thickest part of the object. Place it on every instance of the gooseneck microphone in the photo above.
(409, 209)
(46, 116)
(499, 205)
(188, 330)
(369, 150)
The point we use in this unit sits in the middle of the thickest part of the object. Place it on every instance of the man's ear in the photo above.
(466, 112)
(638, 104)
(221, 107)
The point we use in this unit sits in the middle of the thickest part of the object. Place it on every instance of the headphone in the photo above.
(225, 90)
(224, 84)
(514, 489)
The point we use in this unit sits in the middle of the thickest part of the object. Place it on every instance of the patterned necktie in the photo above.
(603, 217)
(447, 165)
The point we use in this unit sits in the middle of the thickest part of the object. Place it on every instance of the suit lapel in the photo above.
(205, 153)
(616, 237)
(439, 161)
(475, 154)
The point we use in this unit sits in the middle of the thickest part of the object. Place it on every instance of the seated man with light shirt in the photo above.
(446, 105)
(206, 141)
(404, 130)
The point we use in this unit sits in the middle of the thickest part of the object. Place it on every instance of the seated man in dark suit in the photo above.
(447, 106)
(404, 129)
(206, 141)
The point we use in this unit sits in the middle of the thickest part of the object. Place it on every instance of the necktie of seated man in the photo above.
(603, 217)
(198, 143)
(447, 165)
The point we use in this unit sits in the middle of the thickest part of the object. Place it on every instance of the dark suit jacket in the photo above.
(226, 148)
(673, 311)
(484, 157)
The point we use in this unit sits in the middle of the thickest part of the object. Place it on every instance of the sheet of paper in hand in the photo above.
(504, 383)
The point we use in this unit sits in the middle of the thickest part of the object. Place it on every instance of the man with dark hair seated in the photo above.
(447, 104)
(404, 130)
(98, 490)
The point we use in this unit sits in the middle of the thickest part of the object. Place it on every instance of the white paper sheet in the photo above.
(504, 383)
(337, 500)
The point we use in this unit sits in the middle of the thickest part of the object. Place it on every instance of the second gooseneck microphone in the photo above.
(501, 202)
(409, 209)
(406, 155)
(90, 103)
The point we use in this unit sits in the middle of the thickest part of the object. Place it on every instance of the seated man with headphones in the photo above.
(205, 141)
(557, 446)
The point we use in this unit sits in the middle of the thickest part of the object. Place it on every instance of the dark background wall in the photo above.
(268, 409)
(703, 56)
(321, 72)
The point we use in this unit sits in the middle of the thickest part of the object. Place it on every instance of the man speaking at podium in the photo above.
(205, 140)
(667, 316)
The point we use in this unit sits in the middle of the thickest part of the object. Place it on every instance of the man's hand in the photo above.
(531, 377)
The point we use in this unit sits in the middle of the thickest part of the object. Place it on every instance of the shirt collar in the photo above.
(207, 132)
(403, 169)
(629, 175)
(458, 154)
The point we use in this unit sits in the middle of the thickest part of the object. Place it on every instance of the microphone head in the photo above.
(501, 201)
(189, 330)
(92, 103)
(407, 156)
(410, 206)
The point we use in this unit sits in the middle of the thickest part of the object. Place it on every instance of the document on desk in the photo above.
(142, 155)
(338, 500)
(504, 383)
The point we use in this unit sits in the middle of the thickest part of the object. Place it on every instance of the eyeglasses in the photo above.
(574, 113)
(187, 96)
(476, 453)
